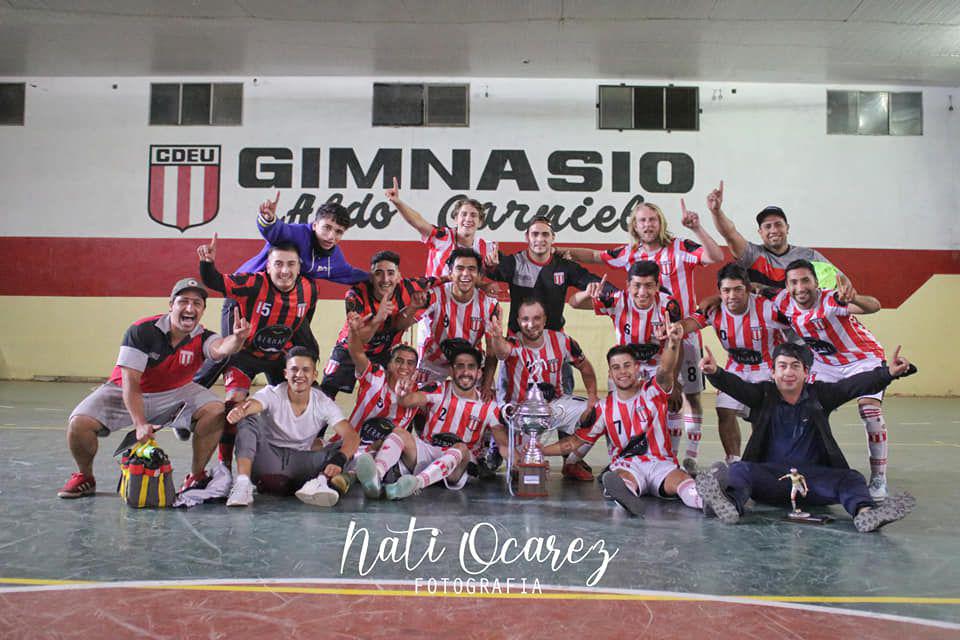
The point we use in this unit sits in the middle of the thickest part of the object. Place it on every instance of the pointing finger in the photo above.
(683, 206)
(277, 199)
(896, 354)
(721, 187)
(396, 185)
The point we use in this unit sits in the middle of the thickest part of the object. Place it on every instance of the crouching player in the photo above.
(634, 419)
(456, 420)
(153, 378)
(280, 442)
(791, 430)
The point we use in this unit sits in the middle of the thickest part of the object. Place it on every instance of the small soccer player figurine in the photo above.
(799, 485)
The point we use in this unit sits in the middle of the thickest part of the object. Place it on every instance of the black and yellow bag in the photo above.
(146, 476)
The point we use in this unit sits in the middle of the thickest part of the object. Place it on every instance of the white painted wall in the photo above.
(80, 165)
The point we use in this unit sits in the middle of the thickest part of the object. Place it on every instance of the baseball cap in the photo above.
(770, 211)
(188, 283)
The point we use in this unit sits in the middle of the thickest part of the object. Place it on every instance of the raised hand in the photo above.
(689, 219)
(845, 291)
(660, 332)
(355, 321)
(269, 208)
(241, 327)
(494, 327)
(491, 257)
(594, 289)
(899, 364)
(403, 386)
(674, 332)
(208, 252)
(387, 306)
(715, 199)
(393, 195)
(707, 364)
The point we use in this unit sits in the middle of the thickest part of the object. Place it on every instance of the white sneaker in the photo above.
(318, 493)
(241, 493)
(878, 487)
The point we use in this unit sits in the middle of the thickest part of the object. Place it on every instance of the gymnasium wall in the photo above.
(90, 241)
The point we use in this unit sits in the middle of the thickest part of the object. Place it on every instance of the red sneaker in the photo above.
(77, 486)
(577, 471)
(195, 482)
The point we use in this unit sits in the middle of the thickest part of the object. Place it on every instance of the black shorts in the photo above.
(340, 373)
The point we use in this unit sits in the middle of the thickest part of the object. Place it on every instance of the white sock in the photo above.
(389, 454)
(675, 429)
(687, 490)
(692, 424)
(873, 422)
(440, 468)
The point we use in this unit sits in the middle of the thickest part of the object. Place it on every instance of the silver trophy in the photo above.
(531, 418)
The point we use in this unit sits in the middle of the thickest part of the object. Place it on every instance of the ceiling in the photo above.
(818, 41)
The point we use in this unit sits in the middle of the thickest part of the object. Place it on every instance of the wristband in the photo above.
(338, 459)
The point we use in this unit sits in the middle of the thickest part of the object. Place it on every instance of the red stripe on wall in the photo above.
(156, 191)
(183, 197)
(211, 191)
(141, 267)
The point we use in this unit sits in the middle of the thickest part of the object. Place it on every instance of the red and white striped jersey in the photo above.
(677, 262)
(638, 326)
(377, 399)
(556, 349)
(447, 318)
(463, 417)
(750, 337)
(829, 329)
(440, 244)
(620, 420)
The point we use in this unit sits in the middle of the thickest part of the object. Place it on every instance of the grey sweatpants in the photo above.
(278, 469)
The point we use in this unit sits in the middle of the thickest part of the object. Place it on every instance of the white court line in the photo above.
(679, 595)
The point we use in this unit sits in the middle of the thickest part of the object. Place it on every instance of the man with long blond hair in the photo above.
(651, 240)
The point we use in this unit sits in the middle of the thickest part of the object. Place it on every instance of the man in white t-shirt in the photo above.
(280, 442)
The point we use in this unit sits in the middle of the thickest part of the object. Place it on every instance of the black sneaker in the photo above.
(890, 510)
(716, 498)
(616, 489)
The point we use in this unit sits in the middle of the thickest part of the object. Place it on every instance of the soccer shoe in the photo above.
(405, 487)
(890, 510)
(78, 486)
(368, 476)
(195, 482)
(182, 435)
(241, 493)
(714, 497)
(615, 488)
(341, 482)
(690, 466)
(318, 493)
(878, 487)
(492, 458)
(577, 471)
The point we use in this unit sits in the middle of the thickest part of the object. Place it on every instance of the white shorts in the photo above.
(836, 373)
(426, 454)
(649, 475)
(691, 377)
(725, 401)
(105, 405)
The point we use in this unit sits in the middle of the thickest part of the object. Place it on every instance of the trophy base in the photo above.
(532, 480)
(802, 517)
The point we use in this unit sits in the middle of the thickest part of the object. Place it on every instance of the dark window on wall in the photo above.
(650, 108)
(196, 103)
(13, 100)
(421, 105)
(875, 113)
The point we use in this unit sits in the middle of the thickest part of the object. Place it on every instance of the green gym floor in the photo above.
(93, 567)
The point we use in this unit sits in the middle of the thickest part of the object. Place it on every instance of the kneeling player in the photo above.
(456, 420)
(634, 419)
(280, 440)
(153, 378)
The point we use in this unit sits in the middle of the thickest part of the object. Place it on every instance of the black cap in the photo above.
(770, 211)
